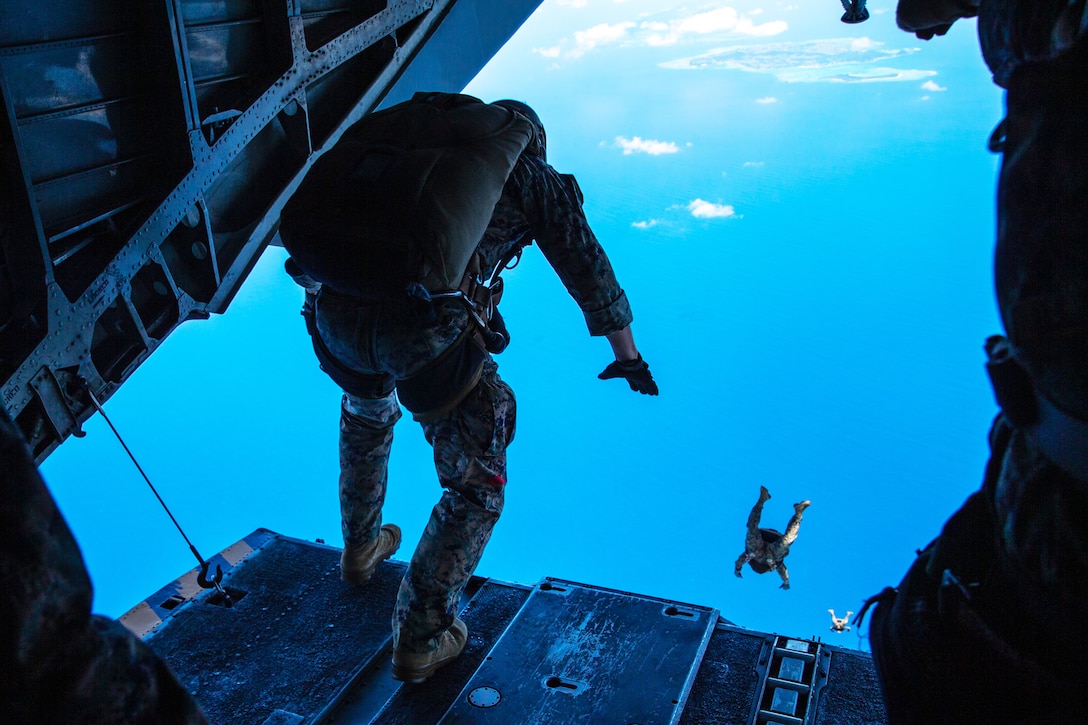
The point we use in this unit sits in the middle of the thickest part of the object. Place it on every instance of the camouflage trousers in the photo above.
(59, 663)
(470, 458)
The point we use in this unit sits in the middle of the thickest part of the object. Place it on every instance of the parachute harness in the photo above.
(481, 297)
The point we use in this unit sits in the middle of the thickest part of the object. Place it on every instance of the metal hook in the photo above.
(214, 583)
(202, 577)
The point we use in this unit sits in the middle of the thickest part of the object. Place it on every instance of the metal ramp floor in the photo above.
(299, 646)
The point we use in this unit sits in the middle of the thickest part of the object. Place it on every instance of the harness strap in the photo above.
(481, 298)
(447, 380)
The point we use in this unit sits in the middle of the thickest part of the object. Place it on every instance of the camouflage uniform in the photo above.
(984, 625)
(469, 441)
(61, 664)
(766, 549)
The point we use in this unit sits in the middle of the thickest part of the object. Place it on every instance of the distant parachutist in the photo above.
(765, 549)
(839, 624)
(856, 11)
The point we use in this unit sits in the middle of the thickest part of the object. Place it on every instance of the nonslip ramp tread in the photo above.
(289, 644)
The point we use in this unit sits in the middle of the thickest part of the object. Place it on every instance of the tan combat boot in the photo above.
(358, 565)
(415, 668)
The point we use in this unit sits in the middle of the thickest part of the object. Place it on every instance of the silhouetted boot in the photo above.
(764, 494)
(799, 508)
(856, 12)
(416, 667)
(357, 565)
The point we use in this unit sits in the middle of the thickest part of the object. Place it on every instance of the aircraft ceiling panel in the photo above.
(146, 150)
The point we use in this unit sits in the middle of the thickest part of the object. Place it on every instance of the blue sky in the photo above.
(801, 213)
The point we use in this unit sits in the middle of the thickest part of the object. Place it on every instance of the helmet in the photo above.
(538, 145)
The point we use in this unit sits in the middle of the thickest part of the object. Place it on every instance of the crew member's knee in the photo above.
(373, 413)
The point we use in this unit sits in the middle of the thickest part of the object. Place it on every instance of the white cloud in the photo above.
(603, 34)
(646, 224)
(753, 164)
(767, 100)
(841, 60)
(657, 31)
(724, 20)
(711, 21)
(646, 146)
(763, 30)
(701, 209)
(932, 86)
(552, 52)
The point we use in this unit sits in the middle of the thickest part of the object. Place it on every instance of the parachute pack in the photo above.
(401, 202)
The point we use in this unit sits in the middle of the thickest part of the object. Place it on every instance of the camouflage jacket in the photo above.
(537, 203)
(541, 204)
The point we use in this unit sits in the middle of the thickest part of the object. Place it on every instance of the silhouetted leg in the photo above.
(366, 435)
(794, 525)
(753, 540)
(470, 458)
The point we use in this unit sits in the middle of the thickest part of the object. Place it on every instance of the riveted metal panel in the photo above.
(146, 151)
(576, 652)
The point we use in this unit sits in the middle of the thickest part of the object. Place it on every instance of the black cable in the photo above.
(192, 548)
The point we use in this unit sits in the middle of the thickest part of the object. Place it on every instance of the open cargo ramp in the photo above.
(300, 646)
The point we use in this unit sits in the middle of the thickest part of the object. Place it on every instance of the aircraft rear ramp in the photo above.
(299, 646)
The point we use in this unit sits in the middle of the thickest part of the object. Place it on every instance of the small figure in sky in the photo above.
(839, 624)
(856, 12)
(765, 549)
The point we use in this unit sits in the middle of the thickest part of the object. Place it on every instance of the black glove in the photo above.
(636, 372)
